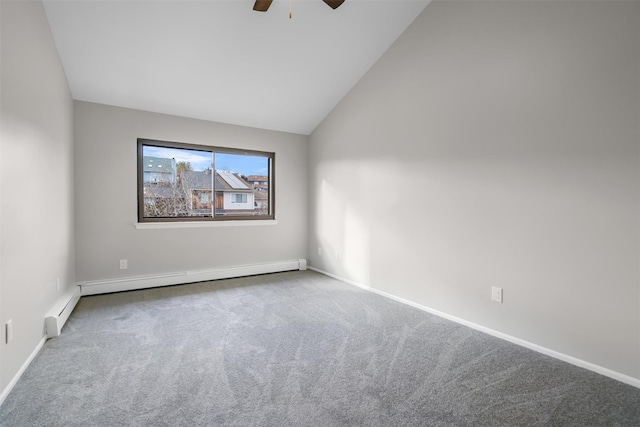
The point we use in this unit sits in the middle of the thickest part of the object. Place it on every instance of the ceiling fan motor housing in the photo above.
(263, 5)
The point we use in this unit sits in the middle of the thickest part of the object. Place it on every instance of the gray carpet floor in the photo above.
(295, 349)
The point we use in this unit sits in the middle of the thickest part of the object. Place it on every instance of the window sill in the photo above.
(203, 224)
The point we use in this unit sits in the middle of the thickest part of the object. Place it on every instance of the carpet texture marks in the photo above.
(295, 349)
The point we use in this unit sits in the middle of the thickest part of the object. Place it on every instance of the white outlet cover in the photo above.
(496, 294)
(9, 331)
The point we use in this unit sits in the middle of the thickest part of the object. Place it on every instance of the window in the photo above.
(187, 182)
(238, 198)
(205, 197)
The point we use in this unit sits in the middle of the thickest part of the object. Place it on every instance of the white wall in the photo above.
(106, 197)
(36, 181)
(495, 144)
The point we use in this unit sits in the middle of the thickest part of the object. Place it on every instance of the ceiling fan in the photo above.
(263, 5)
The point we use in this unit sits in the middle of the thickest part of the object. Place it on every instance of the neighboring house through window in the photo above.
(185, 182)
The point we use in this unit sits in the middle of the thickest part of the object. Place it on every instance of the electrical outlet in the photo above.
(123, 264)
(496, 294)
(57, 284)
(9, 331)
(319, 251)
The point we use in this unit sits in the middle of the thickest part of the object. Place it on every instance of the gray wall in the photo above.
(106, 197)
(495, 144)
(36, 181)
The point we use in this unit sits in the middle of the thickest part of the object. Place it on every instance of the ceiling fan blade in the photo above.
(334, 4)
(262, 5)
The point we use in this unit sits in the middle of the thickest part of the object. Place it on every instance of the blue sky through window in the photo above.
(244, 164)
(201, 160)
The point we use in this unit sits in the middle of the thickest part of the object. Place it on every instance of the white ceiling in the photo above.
(219, 60)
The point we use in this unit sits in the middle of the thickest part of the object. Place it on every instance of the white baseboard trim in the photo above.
(191, 276)
(23, 368)
(61, 312)
(635, 382)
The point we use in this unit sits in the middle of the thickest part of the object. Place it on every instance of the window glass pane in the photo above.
(177, 182)
(241, 184)
(188, 182)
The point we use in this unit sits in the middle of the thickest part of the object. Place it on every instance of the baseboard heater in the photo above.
(191, 276)
(60, 313)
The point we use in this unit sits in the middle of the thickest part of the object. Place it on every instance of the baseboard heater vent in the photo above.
(178, 278)
(60, 313)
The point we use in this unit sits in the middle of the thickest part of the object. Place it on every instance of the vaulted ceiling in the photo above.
(219, 60)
